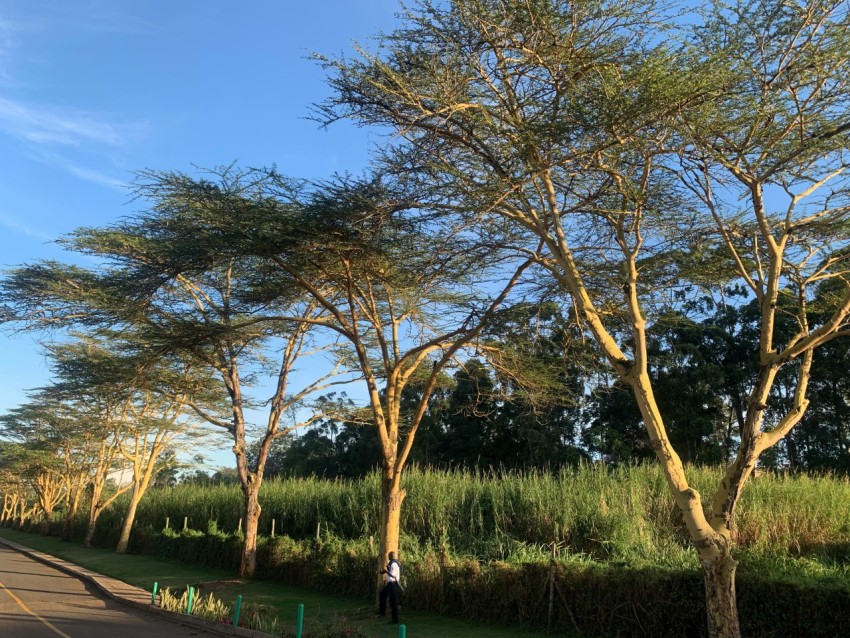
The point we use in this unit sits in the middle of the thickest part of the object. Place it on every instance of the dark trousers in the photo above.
(390, 591)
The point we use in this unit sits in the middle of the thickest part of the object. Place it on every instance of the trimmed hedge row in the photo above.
(587, 597)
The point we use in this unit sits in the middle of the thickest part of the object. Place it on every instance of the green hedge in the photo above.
(594, 599)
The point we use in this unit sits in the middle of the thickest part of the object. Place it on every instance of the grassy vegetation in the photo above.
(320, 609)
(480, 546)
(622, 516)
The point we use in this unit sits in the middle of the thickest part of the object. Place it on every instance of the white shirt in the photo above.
(393, 573)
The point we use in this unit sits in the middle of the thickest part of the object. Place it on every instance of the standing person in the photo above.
(392, 586)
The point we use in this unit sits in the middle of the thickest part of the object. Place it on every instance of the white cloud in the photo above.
(17, 226)
(51, 158)
(53, 126)
(64, 137)
(8, 43)
(107, 20)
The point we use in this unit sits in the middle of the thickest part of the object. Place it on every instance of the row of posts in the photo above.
(186, 525)
(299, 623)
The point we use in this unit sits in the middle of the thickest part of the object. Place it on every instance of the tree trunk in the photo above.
(67, 526)
(10, 503)
(94, 514)
(129, 519)
(393, 496)
(391, 499)
(720, 599)
(71, 514)
(248, 564)
(45, 523)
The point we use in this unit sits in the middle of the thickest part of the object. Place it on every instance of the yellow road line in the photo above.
(23, 606)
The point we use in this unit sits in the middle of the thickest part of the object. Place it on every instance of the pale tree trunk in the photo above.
(24, 514)
(129, 519)
(49, 492)
(392, 497)
(73, 508)
(10, 502)
(248, 562)
(720, 596)
(46, 515)
(95, 510)
(249, 481)
(712, 541)
(91, 527)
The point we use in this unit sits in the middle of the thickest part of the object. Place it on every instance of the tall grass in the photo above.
(622, 515)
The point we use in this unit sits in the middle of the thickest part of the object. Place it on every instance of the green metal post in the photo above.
(238, 609)
(189, 602)
(299, 625)
(153, 594)
(402, 631)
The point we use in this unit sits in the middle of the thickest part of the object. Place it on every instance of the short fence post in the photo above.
(185, 523)
(153, 594)
(299, 625)
(402, 631)
(189, 601)
(272, 528)
(552, 576)
(238, 609)
(167, 522)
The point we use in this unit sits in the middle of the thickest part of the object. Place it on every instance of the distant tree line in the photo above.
(480, 419)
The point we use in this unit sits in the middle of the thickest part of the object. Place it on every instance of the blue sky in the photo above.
(93, 90)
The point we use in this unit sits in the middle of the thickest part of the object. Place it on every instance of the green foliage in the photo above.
(208, 608)
(591, 597)
(260, 618)
(621, 515)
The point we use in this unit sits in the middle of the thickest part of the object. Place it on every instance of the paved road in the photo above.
(37, 601)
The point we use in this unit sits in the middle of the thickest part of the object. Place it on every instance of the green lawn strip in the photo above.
(320, 609)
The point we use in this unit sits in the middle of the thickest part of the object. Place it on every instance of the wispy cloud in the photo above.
(77, 169)
(54, 126)
(107, 20)
(17, 226)
(8, 43)
(75, 140)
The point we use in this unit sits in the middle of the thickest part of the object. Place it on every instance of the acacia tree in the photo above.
(777, 141)
(44, 426)
(37, 457)
(181, 284)
(403, 291)
(566, 119)
(144, 423)
(17, 497)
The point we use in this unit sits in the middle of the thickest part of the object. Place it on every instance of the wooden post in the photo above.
(318, 530)
(167, 522)
(185, 523)
(552, 566)
(272, 528)
(444, 568)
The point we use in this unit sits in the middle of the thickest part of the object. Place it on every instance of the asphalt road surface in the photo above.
(37, 601)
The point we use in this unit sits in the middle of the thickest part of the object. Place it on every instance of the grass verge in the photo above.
(320, 609)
